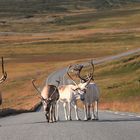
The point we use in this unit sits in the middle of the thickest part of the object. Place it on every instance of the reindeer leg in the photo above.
(89, 117)
(85, 110)
(93, 111)
(54, 117)
(51, 114)
(69, 107)
(57, 112)
(96, 110)
(65, 111)
(76, 111)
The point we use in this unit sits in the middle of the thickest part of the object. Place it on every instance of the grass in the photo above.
(21, 16)
(124, 87)
(38, 37)
(18, 90)
(119, 84)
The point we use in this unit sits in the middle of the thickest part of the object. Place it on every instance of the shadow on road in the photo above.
(120, 120)
(91, 121)
(75, 121)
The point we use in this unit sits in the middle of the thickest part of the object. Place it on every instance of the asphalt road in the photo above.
(110, 126)
(33, 126)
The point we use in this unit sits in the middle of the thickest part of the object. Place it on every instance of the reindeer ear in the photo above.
(42, 98)
(49, 99)
(74, 89)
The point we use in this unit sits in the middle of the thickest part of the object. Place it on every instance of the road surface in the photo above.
(33, 126)
(110, 126)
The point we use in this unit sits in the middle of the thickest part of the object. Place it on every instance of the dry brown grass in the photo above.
(18, 92)
(34, 47)
(128, 106)
(61, 35)
(131, 106)
(120, 86)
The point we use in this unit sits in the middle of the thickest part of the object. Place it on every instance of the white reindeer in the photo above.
(69, 94)
(3, 78)
(91, 102)
(49, 96)
(91, 98)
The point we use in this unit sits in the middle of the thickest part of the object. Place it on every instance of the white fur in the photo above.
(91, 101)
(69, 95)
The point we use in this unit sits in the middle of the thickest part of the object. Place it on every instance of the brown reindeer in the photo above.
(3, 78)
(49, 96)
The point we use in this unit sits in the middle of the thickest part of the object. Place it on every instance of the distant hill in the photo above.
(39, 6)
(112, 3)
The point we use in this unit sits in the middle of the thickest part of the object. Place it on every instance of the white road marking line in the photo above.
(109, 111)
(116, 112)
(130, 115)
(122, 114)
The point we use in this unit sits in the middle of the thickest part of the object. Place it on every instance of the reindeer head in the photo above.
(79, 89)
(84, 78)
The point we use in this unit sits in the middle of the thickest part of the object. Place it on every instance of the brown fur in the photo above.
(49, 97)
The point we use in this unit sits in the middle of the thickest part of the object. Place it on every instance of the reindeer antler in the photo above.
(78, 69)
(92, 69)
(70, 75)
(4, 74)
(38, 92)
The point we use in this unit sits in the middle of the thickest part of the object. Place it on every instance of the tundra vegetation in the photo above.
(119, 83)
(40, 36)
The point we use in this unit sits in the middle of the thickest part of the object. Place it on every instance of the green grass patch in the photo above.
(124, 66)
(120, 80)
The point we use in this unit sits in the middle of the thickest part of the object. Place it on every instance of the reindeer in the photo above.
(69, 94)
(49, 96)
(3, 78)
(91, 98)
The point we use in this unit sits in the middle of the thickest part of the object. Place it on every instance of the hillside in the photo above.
(120, 84)
(56, 6)
(104, 4)
(38, 37)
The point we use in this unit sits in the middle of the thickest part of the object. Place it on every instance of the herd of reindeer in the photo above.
(68, 94)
